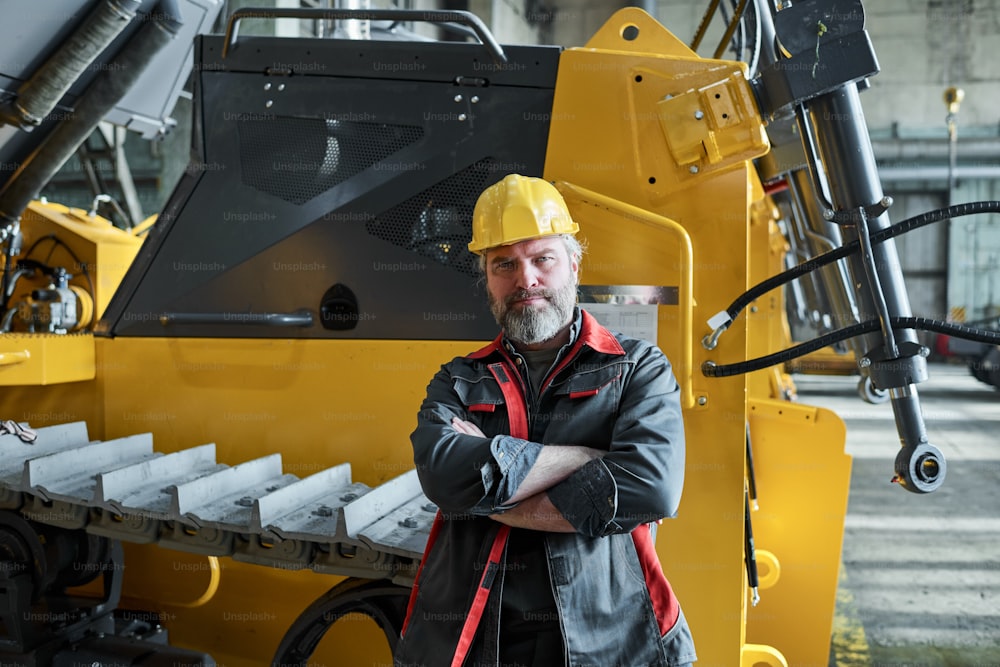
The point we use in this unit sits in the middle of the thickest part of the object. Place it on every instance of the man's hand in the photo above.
(466, 427)
(554, 463)
(536, 513)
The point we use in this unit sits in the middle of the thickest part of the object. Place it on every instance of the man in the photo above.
(550, 452)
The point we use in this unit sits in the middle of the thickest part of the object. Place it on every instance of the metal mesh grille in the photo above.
(297, 159)
(437, 223)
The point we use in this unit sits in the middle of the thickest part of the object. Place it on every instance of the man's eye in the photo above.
(505, 266)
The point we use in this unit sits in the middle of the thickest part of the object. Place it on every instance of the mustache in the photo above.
(529, 294)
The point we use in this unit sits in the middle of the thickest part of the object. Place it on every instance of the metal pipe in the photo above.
(834, 278)
(845, 150)
(40, 93)
(984, 148)
(99, 98)
(898, 174)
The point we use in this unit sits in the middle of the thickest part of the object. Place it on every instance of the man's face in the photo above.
(532, 288)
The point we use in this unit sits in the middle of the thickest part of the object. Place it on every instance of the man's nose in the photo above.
(527, 276)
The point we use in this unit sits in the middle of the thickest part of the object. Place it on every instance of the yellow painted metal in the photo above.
(97, 255)
(761, 654)
(317, 403)
(104, 251)
(803, 479)
(41, 359)
(608, 136)
(680, 270)
(320, 403)
(767, 315)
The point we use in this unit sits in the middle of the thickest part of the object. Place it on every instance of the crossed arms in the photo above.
(554, 464)
(634, 478)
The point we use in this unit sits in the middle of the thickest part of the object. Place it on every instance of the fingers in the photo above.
(466, 427)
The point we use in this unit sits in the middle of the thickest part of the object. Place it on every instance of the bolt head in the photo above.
(702, 400)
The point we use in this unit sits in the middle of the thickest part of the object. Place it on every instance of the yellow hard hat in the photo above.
(518, 208)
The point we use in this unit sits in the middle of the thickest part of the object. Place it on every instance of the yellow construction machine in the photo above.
(212, 465)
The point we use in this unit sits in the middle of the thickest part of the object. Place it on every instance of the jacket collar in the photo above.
(585, 330)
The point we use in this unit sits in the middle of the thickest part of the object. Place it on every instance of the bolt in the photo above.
(474, 99)
(323, 510)
(458, 98)
(348, 497)
(886, 201)
(924, 351)
(268, 104)
(698, 115)
(702, 400)
(409, 522)
(461, 116)
(829, 214)
(864, 362)
(267, 86)
(245, 501)
(429, 507)
(694, 169)
(281, 86)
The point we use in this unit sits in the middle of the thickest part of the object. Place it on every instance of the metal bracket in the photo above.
(854, 215)
(713, 125)
(910, 367)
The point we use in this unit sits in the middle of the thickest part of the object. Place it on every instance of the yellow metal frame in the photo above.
(649, 219)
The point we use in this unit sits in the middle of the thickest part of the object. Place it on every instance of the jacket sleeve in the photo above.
(464, 473)
(640, 479)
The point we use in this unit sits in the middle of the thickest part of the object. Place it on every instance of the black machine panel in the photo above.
(332, 190)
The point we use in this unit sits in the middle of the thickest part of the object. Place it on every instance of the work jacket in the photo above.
(606, 391)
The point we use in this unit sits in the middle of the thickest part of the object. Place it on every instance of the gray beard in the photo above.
(530, 326)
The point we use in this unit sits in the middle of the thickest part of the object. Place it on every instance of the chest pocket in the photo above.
(584, 406)
(484, 403)
(591, 383)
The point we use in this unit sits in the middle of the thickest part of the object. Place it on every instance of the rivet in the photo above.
(698, 115)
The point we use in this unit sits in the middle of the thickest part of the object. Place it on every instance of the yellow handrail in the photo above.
(685, 299)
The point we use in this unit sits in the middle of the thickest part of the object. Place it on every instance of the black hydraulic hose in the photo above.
(40, 93)
(711, 369)
(908, 225)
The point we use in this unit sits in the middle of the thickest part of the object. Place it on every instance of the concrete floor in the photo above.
(920, 582)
